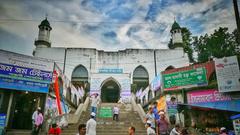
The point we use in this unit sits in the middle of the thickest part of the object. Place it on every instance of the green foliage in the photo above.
(219, 44)
(134, 88)
(187, 39)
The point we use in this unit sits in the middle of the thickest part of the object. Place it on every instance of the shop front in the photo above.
(209, 110)
(22, 105)
(24, 84)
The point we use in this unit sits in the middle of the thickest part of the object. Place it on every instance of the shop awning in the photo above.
(232, 105)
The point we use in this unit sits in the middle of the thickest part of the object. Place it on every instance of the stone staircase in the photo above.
(106, 126)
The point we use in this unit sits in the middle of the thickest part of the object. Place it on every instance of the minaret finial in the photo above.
(174, 18)
(46, 15)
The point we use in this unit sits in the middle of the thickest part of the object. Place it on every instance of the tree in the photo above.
(219, 44)
(187, 39)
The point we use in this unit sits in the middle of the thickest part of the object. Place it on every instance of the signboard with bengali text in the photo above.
(206, 96)
(185, 79)
(21, 72)
(110, 70)
(228, 74)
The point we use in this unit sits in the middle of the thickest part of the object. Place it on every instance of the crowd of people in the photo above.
(156, 122)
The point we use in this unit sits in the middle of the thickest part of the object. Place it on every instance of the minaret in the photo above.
(176, 34)
(44, 34)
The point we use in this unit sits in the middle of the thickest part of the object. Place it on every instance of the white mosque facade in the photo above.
(110, 73)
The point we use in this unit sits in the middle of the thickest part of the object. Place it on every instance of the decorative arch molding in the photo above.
(110, 79)
(80, 73)
(140, 72)
(140, 77)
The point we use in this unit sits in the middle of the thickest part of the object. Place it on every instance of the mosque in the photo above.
(111, 73)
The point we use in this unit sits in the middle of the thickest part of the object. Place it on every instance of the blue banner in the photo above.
(23, 73)
(2, 120)
(22, 78)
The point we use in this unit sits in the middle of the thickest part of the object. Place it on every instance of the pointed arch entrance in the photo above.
(80, 77)
(140, 77)
(110, 91)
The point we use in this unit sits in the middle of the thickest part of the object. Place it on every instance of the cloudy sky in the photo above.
(108, 24)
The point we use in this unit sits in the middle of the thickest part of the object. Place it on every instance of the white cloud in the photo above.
(67, 19)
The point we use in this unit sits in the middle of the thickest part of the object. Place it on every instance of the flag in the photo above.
(57, 93)
(83, 92)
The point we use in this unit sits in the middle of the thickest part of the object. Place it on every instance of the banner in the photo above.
(161, 103)
(228, 74)
(156, 83)
(185, 79)
(206, 96)
(213, 99)
(56, 87)
(2, 120)
(21, 72)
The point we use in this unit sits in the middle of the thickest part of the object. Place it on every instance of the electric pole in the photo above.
(235, 5)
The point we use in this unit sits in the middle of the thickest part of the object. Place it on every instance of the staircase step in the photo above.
(106, 126)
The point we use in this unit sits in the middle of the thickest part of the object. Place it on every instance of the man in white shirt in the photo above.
(150, 131)
(151, 117)
(115, 113)
(95, 101)
(91, 125)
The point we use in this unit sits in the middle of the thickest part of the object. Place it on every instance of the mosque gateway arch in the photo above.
(110, 90)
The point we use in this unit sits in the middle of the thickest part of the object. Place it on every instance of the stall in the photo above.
(24, 84)
(209, 110)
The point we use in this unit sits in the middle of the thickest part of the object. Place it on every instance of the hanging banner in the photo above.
(156, 83)
(228, 74)
(56, 87)
(161, 103)
(185, 79)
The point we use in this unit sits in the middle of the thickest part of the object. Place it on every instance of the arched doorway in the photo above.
(140, 77)
(80, 77)
(110, 91)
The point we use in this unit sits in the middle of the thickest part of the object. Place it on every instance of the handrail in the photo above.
(138, 108)
(74, 118)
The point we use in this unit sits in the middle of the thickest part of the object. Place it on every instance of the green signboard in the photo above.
(105, 112)
(177, 80)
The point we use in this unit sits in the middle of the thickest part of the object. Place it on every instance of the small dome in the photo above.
(45, 23)
(175, 26)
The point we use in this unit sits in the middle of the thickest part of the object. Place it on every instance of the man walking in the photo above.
(34, 116)
(162, 124)
(115, 113)
(38, 122)
(150, 117)
(95, 101)
(91, 125)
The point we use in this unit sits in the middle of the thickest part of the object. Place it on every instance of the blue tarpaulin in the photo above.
(232, 105)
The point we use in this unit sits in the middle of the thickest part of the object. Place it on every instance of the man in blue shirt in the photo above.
(155, 111)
